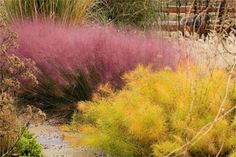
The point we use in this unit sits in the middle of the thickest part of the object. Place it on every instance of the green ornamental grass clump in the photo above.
(74, 11)
(159, 112)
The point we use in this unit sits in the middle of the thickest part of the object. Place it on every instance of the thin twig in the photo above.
(222, 145)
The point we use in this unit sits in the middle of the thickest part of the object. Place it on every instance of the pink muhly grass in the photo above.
(108, 51)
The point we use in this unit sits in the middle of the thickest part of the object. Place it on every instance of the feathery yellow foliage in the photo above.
(157, 112)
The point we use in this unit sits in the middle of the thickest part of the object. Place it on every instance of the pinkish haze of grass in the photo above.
(106, 49)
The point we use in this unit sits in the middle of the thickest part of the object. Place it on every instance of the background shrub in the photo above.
(139, 13)
(15, 73)
(91, 54)
(63, 10)
(157, 112)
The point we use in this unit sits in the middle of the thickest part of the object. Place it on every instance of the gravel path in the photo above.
(54, 145)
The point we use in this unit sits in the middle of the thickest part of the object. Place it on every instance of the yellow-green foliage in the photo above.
(157, 112)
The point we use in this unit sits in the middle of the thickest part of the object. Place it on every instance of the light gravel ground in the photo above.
(54, 145)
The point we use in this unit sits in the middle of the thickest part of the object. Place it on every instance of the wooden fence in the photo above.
(181, 11)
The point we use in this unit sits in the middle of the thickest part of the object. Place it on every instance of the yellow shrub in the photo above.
(157, 112)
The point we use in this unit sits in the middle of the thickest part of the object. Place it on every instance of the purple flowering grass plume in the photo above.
(55, 47)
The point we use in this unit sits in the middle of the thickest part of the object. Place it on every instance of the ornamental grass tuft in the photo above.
(98, 54)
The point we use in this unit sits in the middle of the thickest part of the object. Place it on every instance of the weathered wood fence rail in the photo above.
(190, 9)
